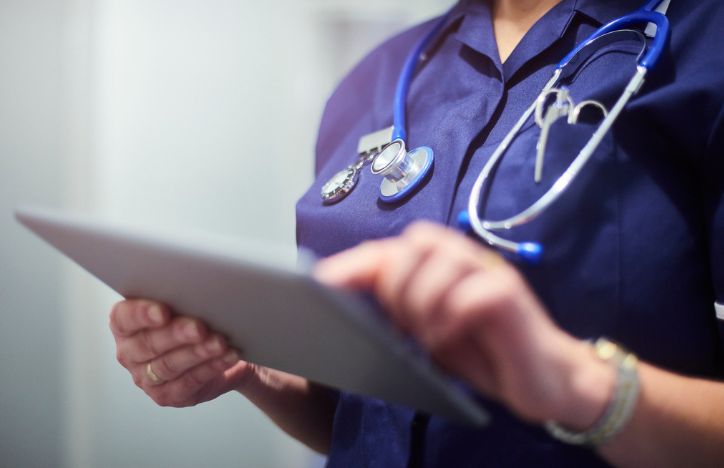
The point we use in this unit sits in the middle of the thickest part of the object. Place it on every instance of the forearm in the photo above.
(678, 421)
(303, 410)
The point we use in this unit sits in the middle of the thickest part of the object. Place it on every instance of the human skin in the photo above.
(192, 364)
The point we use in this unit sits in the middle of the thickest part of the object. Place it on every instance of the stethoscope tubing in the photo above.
(637, 18)
(399, 117)
(482, 227)
(532, 251)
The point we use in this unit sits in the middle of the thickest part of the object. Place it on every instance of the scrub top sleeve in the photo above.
(715, 202)
(322, 149)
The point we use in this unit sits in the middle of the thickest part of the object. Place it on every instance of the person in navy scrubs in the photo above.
(634, 252)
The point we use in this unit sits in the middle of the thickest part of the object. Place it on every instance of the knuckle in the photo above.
(508, 286)
(190, 381)
(377, 245)
(422, 230)
(436, 342)
(175, 395)
(114, 320)
(426, 239)
(138, 380)
(148, 342)
(496, 302)
(160, 397)
(179, 401)
(169, 397)
(121, 358)
(174, 403)
(200, 353)
(166, 366)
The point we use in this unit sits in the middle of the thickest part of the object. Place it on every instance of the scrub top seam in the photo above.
(618, 302)
(476, 144)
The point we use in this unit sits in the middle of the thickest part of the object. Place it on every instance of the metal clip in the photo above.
(561, 107)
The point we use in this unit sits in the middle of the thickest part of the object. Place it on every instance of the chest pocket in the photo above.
(598, 80)
(580, 231)
(574, 218)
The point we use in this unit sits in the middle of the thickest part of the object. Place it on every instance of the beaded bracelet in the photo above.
(619, 409)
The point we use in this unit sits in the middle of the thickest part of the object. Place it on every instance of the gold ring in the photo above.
(156, 380)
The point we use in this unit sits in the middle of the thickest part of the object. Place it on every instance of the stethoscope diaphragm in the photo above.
(403, 171)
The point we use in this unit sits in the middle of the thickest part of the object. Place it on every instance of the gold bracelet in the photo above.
(620, 407)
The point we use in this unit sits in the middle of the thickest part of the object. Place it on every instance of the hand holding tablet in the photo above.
(276, 313)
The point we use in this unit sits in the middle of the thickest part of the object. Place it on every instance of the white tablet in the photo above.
(276, 313)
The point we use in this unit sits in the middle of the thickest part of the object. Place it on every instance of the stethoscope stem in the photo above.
(529, 252)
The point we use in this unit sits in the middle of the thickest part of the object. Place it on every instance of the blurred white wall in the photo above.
(31, 109)
(195, 114)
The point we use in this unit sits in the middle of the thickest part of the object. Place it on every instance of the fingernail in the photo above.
(231, 357)
(155, 314)
(191, 329)
(214, 345)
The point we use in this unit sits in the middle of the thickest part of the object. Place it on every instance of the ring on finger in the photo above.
(155, 379)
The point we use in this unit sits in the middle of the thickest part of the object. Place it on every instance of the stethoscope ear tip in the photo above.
(530, 252)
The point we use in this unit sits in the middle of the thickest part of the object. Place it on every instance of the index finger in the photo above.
(356, 268)
(132, 315)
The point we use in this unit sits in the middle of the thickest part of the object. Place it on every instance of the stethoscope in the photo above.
(403, 170)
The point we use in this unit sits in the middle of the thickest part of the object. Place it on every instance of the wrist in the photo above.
(620, 406)
(587, 389)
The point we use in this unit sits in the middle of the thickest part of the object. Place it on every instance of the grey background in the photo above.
(198, 115)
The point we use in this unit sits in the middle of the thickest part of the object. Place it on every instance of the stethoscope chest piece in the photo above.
(403, 171)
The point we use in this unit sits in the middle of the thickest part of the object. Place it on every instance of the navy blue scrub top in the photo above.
(634, 250)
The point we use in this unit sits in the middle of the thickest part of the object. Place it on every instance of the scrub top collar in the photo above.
(476, 31)
(603, 11)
